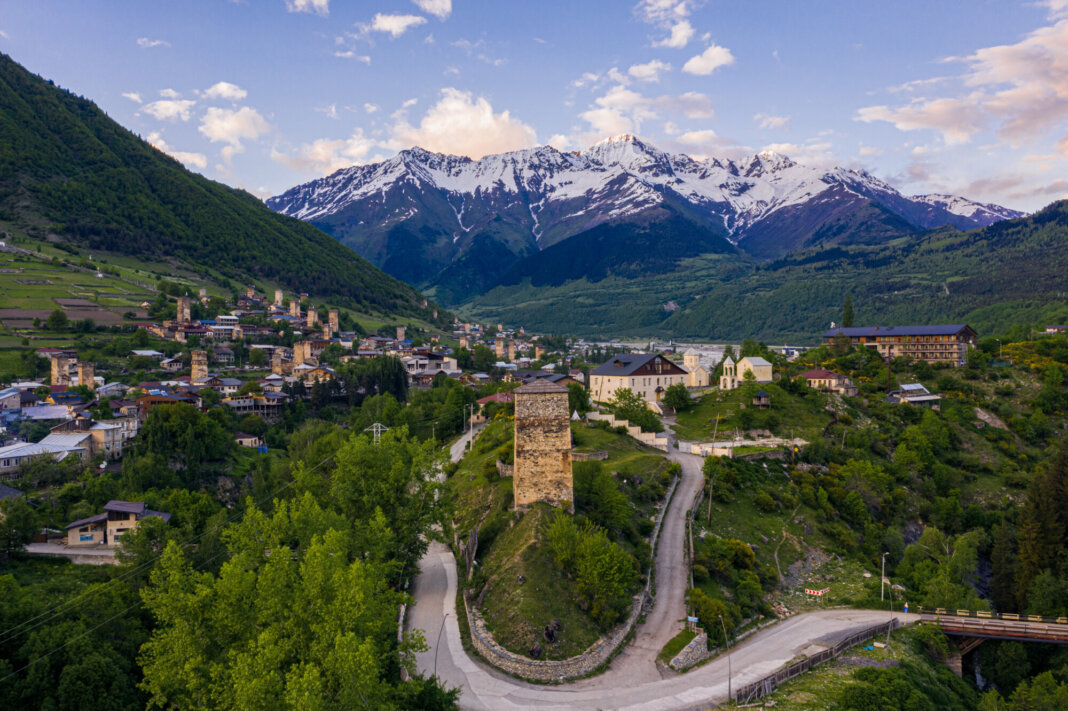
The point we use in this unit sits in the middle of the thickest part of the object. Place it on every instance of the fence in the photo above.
(759, 689)
(987, 615)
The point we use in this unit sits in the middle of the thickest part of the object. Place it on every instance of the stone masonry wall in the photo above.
(648, 438)
(561, 670)
(542, 463)
(692, 653)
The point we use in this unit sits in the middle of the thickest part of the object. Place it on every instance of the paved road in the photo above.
(632, 682)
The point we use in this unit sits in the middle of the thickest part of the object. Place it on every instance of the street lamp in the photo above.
(437, 645)
(999, 347)
(882, 580)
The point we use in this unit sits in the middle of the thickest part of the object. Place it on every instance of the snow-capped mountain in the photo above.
(433, 219)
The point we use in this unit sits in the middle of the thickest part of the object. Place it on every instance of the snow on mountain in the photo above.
(612, 179)
(982, 214)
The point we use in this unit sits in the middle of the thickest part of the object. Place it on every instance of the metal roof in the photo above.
(944, 330)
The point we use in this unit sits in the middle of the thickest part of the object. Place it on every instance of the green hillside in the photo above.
(994, 278)
(68, 173)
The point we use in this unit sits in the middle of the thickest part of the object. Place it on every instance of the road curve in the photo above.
(632, 682)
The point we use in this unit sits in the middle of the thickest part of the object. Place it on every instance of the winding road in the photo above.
(632, 682)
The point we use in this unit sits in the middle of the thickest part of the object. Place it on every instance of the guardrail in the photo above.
(987, 615)
(759, 689)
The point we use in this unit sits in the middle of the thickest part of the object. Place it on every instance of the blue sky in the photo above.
(946, 96)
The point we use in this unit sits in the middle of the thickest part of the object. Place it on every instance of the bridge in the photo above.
(974, 626)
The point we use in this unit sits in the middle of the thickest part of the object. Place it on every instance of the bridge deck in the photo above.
(1022, 630)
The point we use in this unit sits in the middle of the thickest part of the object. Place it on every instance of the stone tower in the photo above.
(313, 317)
(692, 360)
(278, 296)
(511, 350)
(294, 308)
(185, 313)
(542, 446)
(60, 371)
(463, 341)
(334, 320)
(498, 347)
(539, 352)
(86, 375)
(200, 366)
(277, 359)
(250, 292)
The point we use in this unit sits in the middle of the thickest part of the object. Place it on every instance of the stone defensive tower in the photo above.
(542, 470)
(294, 308)
(313, 317)
(498, 347)
(60, 371)
(278, 296)
(200, 366)
(463, 341)
(402, 331)
(334, 318)
(277, 360)
(185, 313)
(86, 375)
(511, 351)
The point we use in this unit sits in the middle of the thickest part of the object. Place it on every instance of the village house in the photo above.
(246, 440)
(266, 405)
(15, 455)
(647, 374)
(932, 344)
(828, 381)
(733, 374)
(105, 439)
(108, 528)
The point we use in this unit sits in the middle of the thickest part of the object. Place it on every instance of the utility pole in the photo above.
(377, 428)
(727, 645)
(882, 581)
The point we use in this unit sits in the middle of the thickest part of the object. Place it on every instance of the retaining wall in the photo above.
(651, 439)
(694, 652)
(563, 669)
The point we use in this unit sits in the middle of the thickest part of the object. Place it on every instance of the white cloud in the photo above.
(408, 103)
(1021, 89)
(451, 71)
(350, 54)
(169, 94)
(650, 71)
(325, 156)
(559, 141)
(370, 108)
(461, 124)
(671, 16)
(4, 35)
(869, 151)
(395, 25)
(226, 90)
(767, 121)
(812, 153)
(623, 110)
(232, 126)
(440, 9)
(330, 111)
(319, 7)
(146, 43)
(197, 160)
(132, 96)
(693, 104)
(698, 137)
(681, 34)
(170, 109)
(709, 61)
(957, 119)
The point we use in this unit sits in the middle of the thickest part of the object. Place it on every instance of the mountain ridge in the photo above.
(431, 206)
(70, 173)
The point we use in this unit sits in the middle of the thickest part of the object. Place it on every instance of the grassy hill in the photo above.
(992, 278)
(71, 175)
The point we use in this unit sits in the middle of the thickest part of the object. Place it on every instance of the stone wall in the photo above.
(542, 462)
(589, 456)
(647, 438)
(694, 652)
(561, 670)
